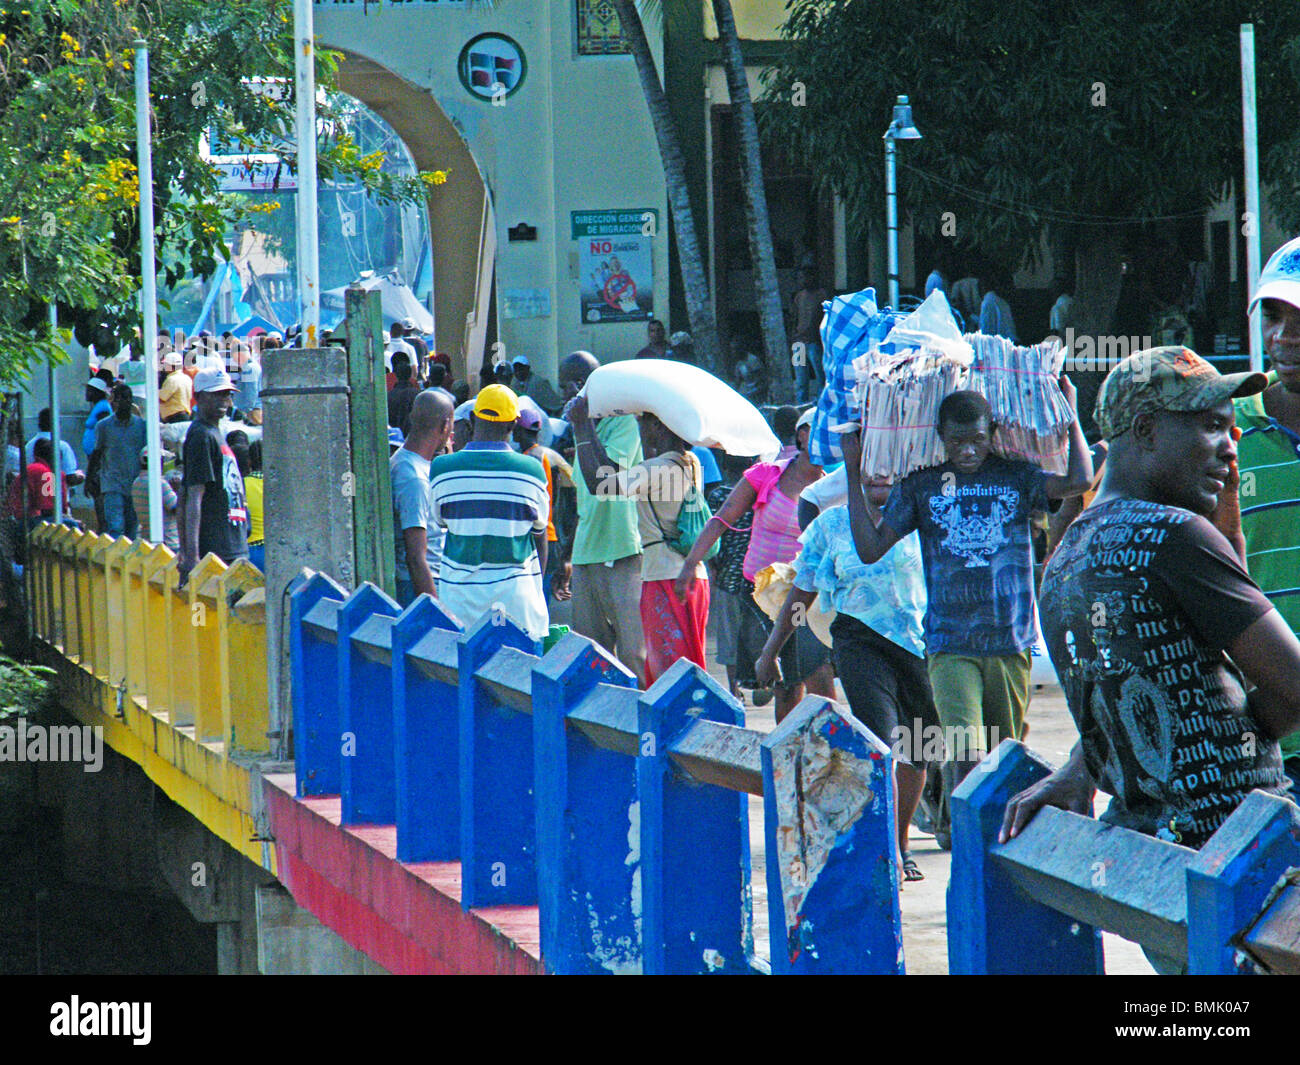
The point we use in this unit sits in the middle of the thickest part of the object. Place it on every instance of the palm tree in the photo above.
(766, 288)
(695, 280)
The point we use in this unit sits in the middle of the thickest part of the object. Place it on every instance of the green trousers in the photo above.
(981, 700)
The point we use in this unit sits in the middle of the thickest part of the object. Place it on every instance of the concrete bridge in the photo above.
(460, 802)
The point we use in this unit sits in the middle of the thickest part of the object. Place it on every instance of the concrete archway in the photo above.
(461, 226)
(539, 174)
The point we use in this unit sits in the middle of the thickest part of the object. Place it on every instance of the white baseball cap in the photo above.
(805, 418)
(213, 381)
(1280, 278)
(98, 385)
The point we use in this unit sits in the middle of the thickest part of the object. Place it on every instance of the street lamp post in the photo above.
(900, 129)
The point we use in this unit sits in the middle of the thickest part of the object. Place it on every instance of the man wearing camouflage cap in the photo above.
(1153, 624)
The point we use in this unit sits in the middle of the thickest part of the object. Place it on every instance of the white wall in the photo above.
(575, 136)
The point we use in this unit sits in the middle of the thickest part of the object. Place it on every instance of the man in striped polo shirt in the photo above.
(1268, 457)
(493, 503)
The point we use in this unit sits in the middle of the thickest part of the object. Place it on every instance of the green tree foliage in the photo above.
(69, 223)
(1036, 114)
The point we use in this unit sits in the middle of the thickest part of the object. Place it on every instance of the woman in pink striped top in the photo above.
(772, 490)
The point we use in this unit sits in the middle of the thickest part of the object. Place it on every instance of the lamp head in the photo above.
(901, 128)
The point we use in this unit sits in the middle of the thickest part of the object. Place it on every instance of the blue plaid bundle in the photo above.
(852, 326)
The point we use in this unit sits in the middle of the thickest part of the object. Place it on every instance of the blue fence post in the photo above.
(1231, 876)
(832, 887)
(366, 704)
(696, 894)
(498, 830)
(314, 600)
(992, 926)
(426, 735)
(587, 841)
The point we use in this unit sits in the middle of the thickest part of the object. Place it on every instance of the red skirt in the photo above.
(673, 629)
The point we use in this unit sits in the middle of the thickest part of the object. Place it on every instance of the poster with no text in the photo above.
(616, 264)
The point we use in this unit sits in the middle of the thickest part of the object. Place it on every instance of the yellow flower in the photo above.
(3, 38)
(440, 177)
(70, 41)
(12, 220)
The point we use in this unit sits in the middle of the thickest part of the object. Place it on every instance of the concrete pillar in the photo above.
(291, 942)
(308, 495)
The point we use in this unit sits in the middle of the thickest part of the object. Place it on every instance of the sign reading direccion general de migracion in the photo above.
(616, 264)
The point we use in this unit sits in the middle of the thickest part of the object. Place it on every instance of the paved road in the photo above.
(925, 932)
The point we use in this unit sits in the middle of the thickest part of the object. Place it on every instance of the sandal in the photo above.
(911, 871)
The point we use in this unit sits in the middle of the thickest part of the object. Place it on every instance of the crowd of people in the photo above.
(210, 484)
(1169, 600)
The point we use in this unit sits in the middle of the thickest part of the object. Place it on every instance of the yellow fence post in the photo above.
(209, 615)
(114, 559)
(157, 654)
(99, 602)
(36, 574)
(187, 615)
(46, 579)
(80, 622)
(242, 634)
(62, 584)
(71, 593)
(133, 600)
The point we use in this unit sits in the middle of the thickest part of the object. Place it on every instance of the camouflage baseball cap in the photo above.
(1169, 378)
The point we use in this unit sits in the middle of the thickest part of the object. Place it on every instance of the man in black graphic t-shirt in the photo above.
(216, 514)
(1142, 605)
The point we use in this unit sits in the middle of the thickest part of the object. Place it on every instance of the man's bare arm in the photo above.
(1069, 788)
(872, 541)
(1078, 473)
(190, 529)
(417, 560)
(1269, 654)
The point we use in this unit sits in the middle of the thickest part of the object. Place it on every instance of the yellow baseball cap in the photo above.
(496, 403)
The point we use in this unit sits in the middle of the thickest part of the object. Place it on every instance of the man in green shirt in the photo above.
(1268, 458)
(603, 557)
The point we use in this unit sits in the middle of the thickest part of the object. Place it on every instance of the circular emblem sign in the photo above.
(492, 66)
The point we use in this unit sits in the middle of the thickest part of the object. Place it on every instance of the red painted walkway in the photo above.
(407, 917)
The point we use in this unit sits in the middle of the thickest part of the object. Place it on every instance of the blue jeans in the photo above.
(405, 592)
(812, 357)
(119, 515)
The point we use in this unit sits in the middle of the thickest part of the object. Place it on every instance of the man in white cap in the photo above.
(216, 512)
(176, 391)
(411, 334)
(1263, 519)
(523, 375)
